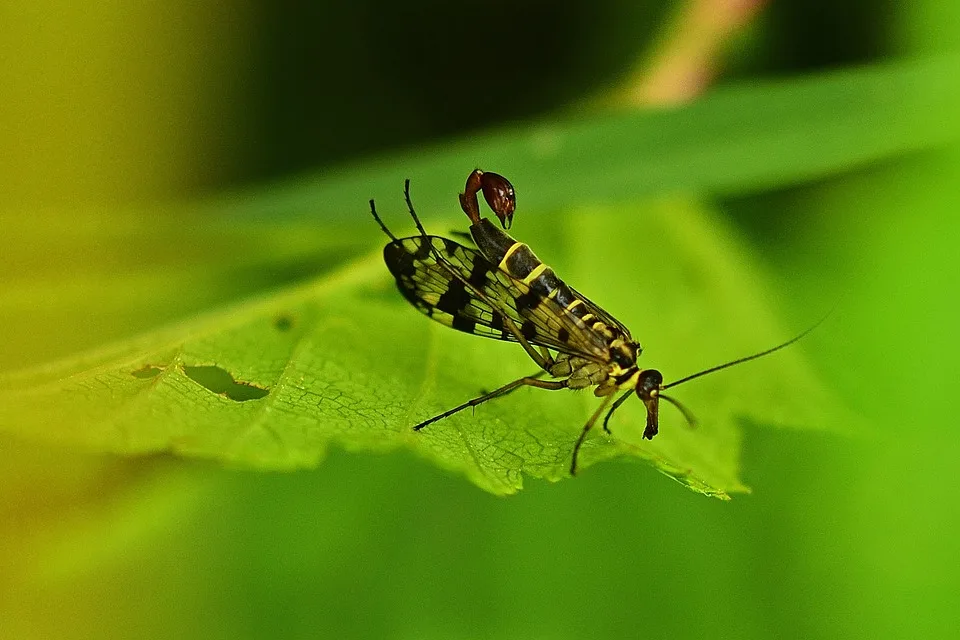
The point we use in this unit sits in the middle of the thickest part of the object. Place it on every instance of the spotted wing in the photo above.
(456, 286)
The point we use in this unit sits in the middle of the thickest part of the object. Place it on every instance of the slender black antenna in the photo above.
(747, 358)
(406, 196)
(687, 414)
(373, 210)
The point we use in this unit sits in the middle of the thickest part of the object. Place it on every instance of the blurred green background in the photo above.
(119, 121)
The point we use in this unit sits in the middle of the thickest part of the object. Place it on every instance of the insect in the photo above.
(501, 290)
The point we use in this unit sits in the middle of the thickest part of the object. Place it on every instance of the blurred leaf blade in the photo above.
(737, 139)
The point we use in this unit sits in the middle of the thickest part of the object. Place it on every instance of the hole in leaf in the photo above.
(283, 322)
(147, 371)
(220, 382)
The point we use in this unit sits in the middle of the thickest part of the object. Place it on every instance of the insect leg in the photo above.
(538, 374)
(547, 357)
(507, 388)
(616, 405)
(586, 430)
(543, 360)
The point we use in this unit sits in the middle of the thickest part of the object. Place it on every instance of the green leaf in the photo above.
(273, 380)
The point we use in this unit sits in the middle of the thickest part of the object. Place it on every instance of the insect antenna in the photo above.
(373, 210)
(406, 196)
(733, 363)
(413, 214)
(687, 414)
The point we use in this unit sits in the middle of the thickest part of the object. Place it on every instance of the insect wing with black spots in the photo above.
(456, 286)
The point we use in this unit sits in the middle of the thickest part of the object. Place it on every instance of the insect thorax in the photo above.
(580, 372)
(623, 351)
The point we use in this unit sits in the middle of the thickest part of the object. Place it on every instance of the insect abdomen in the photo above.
(518, 260)
(492, 242)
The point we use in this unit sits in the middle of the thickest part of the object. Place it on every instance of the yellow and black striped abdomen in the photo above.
(520, 262)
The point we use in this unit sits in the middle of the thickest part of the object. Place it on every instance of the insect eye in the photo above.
(649, 381)
(499, 194)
